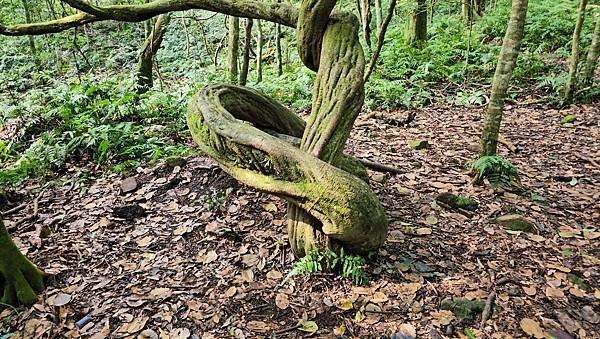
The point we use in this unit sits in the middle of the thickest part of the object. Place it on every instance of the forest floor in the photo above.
(200, 254)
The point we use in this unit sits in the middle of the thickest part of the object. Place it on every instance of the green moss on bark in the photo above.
(20, 279)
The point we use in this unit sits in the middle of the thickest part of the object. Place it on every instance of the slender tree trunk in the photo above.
(380, 40)
(31, 40)
(378, 16)
(148, 52)
(20, 279)
(364, 7)
(246, 53)
(233, 46)
(466, 11)
(419, 23)
(259, 47)
(504, 69)
(572, 78)
(592, 58)
(278, 49)
(478, 7)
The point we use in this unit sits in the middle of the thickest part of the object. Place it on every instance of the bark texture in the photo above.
(504, 69)
(20, 279)
(259, 48)
(592, 57)
(246, 54)
(330, 204)
(148, 52)
(364, 8)
(571, 84)
(419, 23)
(233, 46)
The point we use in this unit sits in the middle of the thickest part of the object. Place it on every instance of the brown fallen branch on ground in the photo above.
(379, 167)
(488, 309)
(28, 217)
(13, 210)
(389, 118)
(586, 159)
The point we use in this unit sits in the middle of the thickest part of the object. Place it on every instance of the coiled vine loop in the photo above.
(255, 139)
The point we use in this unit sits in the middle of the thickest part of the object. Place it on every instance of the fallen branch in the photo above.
(27, 217)
(590, 160)
(13, 210)
(488, 309)
(379, 167)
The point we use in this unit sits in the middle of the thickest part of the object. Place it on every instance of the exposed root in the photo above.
(20, 279)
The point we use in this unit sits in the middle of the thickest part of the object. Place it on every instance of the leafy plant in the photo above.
(350, 266)
(500, 172)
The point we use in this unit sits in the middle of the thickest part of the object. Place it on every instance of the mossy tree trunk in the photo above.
(591, 63)
(504, 69)
(246, 53)
(20, 279)
(418, 31)
(571, 85)
(233, 46)
(259, 49)
(148, 51)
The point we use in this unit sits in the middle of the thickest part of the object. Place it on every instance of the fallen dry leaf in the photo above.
(282, 301)
(532, 328)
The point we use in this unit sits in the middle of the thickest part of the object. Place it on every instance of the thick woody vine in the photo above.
(257, 140)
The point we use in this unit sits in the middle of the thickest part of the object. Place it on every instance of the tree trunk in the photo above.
(20, 279)
(233, 45)
(378, 16)
(592, 58)
(478, 7)
(504, 69)
(246, 55)
(419, 23)
(364, 8)
(148, 52)
(466, 11)
(31, 40)
(278, 49)
(259, 47)
(571, 84)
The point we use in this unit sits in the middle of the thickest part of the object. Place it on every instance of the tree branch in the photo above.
(276, 12)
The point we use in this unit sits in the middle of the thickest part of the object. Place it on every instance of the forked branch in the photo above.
(276, 12)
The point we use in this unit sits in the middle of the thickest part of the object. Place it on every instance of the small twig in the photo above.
(287, 329)
(14, 209)
(379, 167)
(590, 160)
(30, 216)
(488, 309)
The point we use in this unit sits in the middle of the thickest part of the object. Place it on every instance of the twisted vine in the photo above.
(329, 203)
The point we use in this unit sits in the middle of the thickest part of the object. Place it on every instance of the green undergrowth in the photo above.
(500, 173)
(347, 265)
(101, 122)
(460, 56)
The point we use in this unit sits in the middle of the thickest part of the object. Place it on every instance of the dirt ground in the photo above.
(200, 255)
